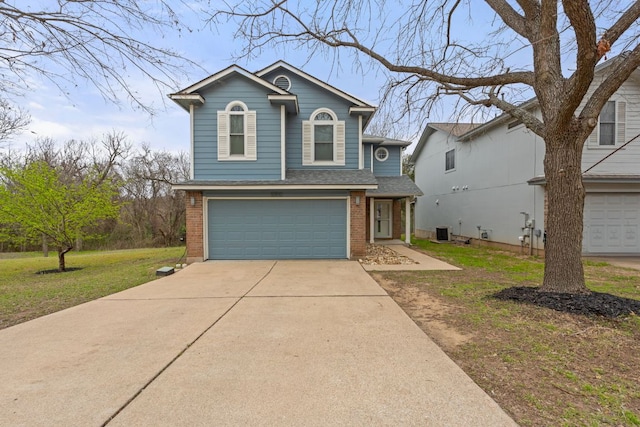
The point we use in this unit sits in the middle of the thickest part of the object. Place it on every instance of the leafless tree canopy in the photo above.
(13, 119)
(107, 43)
(492, 54)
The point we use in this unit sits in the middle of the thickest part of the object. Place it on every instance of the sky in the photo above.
(83, 113)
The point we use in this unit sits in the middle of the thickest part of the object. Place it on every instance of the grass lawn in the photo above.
(545, 368)
(25, 294)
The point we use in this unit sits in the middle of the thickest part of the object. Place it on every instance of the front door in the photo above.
(383, 221)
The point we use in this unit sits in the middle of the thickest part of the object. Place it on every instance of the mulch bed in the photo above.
(591, 304)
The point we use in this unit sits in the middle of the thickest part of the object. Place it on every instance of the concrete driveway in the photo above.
(237, 343)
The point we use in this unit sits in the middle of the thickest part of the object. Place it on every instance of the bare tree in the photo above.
(155, 212)
(428, 51)
(107, 43)
(12, 120)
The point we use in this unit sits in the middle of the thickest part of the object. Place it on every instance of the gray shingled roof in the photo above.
(395, 186)
(313, 177)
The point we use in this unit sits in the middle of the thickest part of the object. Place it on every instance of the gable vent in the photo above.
(282, 82)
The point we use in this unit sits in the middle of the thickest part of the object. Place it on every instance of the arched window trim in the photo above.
(249, 132)
(308, 138)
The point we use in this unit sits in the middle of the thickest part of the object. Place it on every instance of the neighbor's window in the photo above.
(608, 124)
(450, 160)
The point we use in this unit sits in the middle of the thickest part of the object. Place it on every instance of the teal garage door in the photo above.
(277, 229)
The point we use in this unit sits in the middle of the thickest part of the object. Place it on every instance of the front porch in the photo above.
(384, 208)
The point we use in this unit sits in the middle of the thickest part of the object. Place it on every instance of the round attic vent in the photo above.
(282, 82)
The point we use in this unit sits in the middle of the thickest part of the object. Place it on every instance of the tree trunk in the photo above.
(563, 271)
(45, 246)
(61, 253)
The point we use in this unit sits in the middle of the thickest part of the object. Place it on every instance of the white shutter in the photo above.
(307, 143)
(621, 122)
(251, 137)
(339, 156)
(223, 135)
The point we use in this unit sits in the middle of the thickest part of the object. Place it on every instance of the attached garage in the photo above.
(276, 228)
(612, 223)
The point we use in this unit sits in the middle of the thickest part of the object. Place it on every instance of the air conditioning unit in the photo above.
(442, 233)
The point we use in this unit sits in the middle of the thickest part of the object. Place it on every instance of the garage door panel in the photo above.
(611, 224)
(277, 229)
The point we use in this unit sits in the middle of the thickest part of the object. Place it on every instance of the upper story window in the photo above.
(450, 160)
(237, 135)
(608, 124)
(611, 127)
(323, 139)
(381, 154)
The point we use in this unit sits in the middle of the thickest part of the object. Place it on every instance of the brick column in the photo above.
(195, 240)
(397, 219)
(358, 225)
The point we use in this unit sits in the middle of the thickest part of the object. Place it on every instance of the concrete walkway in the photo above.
(237, 343)
(424, 262)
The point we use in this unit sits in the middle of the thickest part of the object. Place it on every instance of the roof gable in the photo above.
(232, 69)
(283, 65)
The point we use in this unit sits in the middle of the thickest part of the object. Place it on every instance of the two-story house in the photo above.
(281, 169)
(486, 181)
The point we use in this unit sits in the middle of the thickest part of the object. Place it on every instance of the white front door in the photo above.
(383, 223)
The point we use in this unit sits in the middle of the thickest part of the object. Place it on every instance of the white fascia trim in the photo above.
(348, 227)
(205, 228)
(192, 143)
(278, 198)
(283, 139)
(187, 97)
(358, 110)
(320, 83)
(371, 152)
(188, 187)
(360, 147)
(285, 98)
(230, 70)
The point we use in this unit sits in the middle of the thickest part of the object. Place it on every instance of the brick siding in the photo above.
(195, 240)
(358, 225)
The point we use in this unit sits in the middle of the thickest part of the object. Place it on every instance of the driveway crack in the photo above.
(165, 367)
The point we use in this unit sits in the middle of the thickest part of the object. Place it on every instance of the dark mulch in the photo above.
(591, 304)
(58, 271)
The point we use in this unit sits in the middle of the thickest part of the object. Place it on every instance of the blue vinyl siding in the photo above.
(205, 150)
(391, 166)
(367, 156)
(277, 229)
(310, 98)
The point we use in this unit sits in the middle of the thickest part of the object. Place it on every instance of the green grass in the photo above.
(25, 294)
(546, 368)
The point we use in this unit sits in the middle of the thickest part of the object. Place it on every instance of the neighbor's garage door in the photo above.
(277, 229)
(612, 223)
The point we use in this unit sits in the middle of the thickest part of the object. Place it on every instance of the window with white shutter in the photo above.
(237, 133)
(611, 128)
(323, 139)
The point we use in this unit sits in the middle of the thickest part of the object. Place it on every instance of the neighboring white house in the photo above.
(487, 182)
